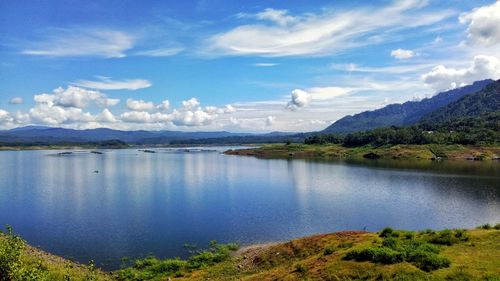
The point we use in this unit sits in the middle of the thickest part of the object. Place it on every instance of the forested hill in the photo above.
(408, 113)
(480, 103)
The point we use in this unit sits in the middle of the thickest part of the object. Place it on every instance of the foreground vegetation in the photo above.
(350, 255)
(405, 152)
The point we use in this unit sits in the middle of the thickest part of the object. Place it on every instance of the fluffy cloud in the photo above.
(484, 24)
(82, 42)
(145, 117)
(105, 83)
(106, 116)
(270, 120)
(217, 110)
(16, 100)
(5, 117)
(482, 67)
(192, 118)
(402, 54)
(67, 106)
(75, 97)
(302, 98)
(140, 105)
(332, 31)
(191, 103)
(299, 98)
(54, 115)
(164, 105)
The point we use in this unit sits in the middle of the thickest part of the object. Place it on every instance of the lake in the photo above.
(153, 203)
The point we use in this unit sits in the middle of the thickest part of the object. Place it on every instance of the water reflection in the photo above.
(141, 203)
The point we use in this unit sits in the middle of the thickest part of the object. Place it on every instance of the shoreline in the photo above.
(395, 152)
(473, 253)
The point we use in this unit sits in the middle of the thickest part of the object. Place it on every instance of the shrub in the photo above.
(485, 226)
(449, 237)
(497, 226)
(379, 255)
(330, 249)
(428, 261)
(12, 266)
(300, 268)
(403, 246)
(390, 242)
(386, 232)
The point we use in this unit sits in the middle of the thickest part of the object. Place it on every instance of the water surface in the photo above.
(143, 203)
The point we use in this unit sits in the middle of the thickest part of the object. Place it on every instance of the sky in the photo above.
(234, 65)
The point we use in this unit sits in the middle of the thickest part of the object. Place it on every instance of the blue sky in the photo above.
(251, 66)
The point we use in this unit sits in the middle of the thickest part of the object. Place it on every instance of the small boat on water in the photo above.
(96, 152)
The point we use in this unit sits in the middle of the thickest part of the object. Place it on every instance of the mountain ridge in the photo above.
(407, 113)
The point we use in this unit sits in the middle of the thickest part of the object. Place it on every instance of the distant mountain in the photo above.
(48, 135)
(480, 103)
(408, 113)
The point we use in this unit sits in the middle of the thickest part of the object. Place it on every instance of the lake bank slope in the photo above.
(348, 255)
(404, 152)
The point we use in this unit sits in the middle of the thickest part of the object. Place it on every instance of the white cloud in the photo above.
(106, 116)
(265, 64)
(164, 105)
(50, 114)
(302, 98)
(105, 83)
(5, 118)
(82, 42)
(328, 93)
(166, 52)
(191, 103)
(279, 17)
(16, 100)
(482, 67)
(299, 98)
(402, 54)
(192, 118)
(145, 117)
(139, 105)
(75, 97)
(484, 24)
(270, 120)
(326, 33)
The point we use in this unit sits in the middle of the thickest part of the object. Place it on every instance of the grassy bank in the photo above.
(404, 152)
(349, 255)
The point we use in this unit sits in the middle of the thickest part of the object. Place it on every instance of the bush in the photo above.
(379, 255)
(400, 246)
(386, 232)
(153, 268)
(497, 226)
(449, 237)
(485, 226)
(329, 250)
(300, 268)
(428, 261)
(390, 242)
(12, 266)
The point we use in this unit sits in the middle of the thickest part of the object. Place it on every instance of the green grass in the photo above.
(352, 255)
(402, 152)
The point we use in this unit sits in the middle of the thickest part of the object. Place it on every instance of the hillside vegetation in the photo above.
(350, 255)
(405, 114)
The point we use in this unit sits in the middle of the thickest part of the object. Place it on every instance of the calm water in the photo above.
(142, 203)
